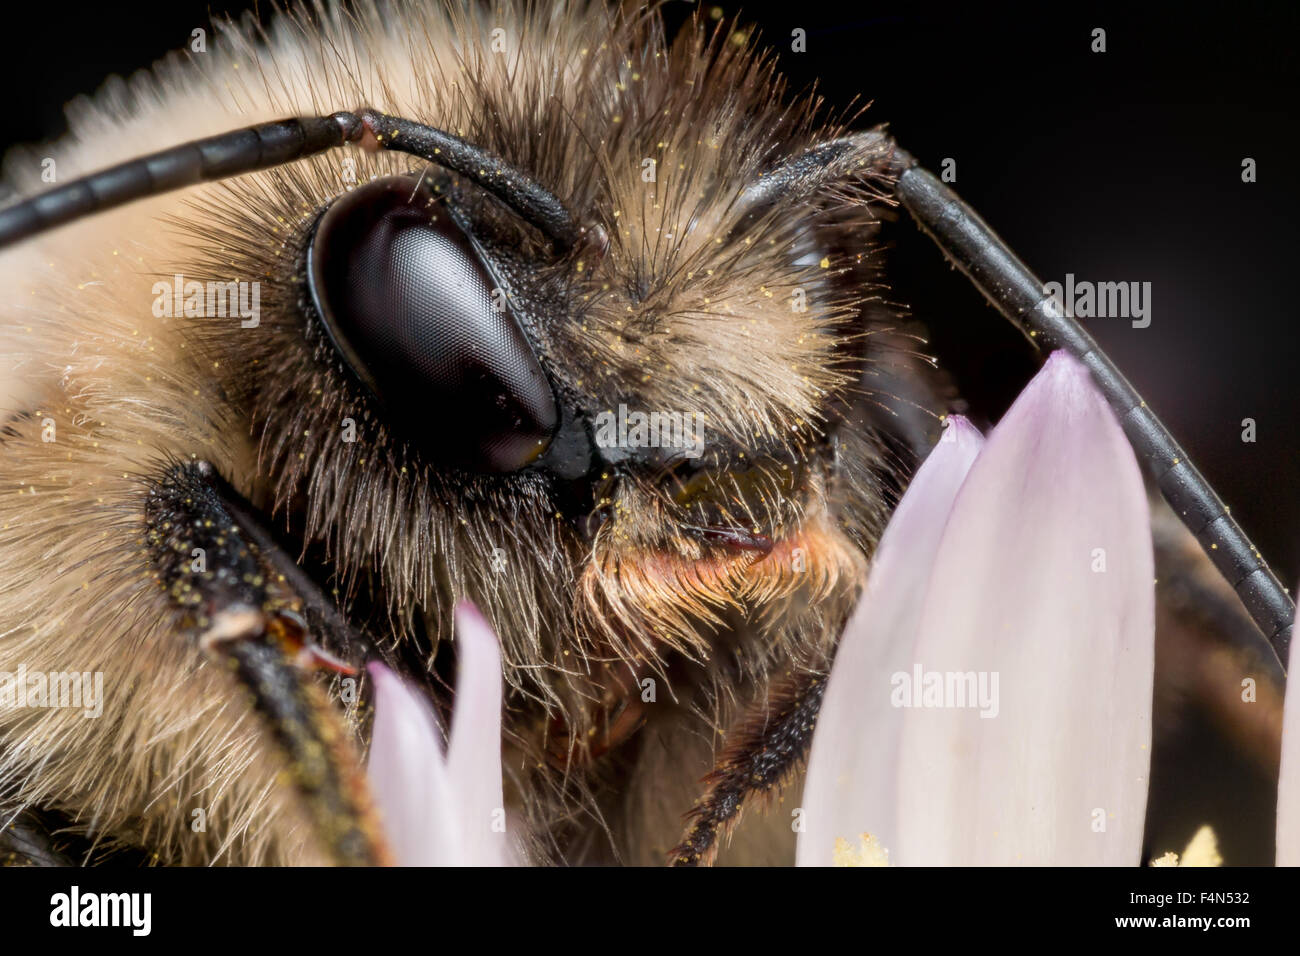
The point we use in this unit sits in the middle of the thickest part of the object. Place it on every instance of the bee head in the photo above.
(584, 366)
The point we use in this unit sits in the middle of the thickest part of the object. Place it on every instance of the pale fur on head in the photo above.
(580, 98)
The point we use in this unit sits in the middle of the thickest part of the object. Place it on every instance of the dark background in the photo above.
(1116, 166)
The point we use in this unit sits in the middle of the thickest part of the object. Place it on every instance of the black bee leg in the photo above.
(762, 752)
(225, 578)
(27, 838)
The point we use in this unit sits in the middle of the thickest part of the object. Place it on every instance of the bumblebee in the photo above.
(527, 305)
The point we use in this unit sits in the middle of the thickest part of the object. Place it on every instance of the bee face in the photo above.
(605, 446)
(631, 452)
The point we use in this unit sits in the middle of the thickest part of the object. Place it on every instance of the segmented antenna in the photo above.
(1008, 284)
(533, 203)
(216, 157)
(284, 141)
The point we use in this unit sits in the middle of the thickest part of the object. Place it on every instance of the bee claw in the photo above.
(295, 635)
(314, 657)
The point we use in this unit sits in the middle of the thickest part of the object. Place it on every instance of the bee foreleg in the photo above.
(765, 748)
(244, 614)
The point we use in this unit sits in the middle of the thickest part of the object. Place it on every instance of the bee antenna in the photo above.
(267, 145)
(216, 157)
(1009, 285)
(519, 191)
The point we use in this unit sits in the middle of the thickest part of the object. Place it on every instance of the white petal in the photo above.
(850, 785)
(1059, 775)
(408, 776)
(474, 756)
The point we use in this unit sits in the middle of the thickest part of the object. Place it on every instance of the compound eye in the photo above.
(410, 305)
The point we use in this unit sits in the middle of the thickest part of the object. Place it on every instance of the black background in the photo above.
(1116, 166)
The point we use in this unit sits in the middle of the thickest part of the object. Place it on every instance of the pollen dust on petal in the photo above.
(869, 852)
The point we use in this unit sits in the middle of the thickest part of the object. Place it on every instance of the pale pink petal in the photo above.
(1059, 775)
(408, 776)
(850, 788)
(474, 756)
(436, 810)
(1288, 782)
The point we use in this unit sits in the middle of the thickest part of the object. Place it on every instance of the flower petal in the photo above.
(408, 777)
(443, 811)
(850, 788)
(474, 756)
(1044, 583)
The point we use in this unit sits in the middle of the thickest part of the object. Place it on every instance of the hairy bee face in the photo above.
(646, 458)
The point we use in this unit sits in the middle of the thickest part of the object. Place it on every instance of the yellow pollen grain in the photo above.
(869, 852)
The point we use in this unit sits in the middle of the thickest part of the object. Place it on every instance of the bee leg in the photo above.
(27, 838)
(765, 748)
(246, 613)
